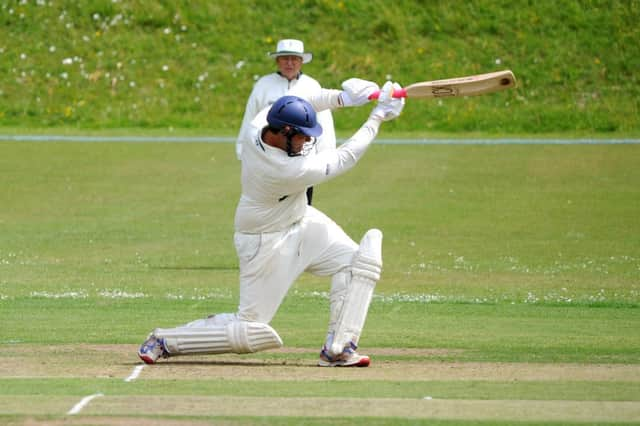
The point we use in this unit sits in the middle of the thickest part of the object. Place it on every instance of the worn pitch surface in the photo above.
(118, 361)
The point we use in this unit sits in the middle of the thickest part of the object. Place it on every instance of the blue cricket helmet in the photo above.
(295, 112)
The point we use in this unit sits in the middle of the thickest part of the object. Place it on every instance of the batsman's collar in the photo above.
(291, 47)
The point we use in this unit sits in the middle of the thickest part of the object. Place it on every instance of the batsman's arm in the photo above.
(355, 92)
(331, 163)
(334, 162)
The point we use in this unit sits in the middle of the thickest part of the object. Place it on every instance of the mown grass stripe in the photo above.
(593, 411)
(363, 389)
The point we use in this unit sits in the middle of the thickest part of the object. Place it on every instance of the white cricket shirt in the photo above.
(274, 185)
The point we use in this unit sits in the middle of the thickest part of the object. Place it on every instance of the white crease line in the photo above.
(135, 373)
(83, 403)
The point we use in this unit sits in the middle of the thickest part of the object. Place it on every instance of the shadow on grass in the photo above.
(228, 363)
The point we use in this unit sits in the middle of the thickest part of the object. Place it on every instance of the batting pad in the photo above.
(365, 273)
(238, 337)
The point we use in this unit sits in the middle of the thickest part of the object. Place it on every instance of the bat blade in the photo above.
(472, 85)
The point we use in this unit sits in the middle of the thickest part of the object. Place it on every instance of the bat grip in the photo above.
(397, 93)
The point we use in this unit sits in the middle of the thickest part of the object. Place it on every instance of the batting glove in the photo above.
(356, 92)
(388, 107)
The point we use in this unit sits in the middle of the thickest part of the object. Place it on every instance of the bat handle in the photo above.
(397, 93)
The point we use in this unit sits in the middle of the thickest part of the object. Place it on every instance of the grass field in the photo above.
(510, 292)
(511, 283)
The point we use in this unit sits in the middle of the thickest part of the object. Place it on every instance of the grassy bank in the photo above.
(191, 64)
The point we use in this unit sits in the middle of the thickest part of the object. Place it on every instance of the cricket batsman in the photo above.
(278, 236)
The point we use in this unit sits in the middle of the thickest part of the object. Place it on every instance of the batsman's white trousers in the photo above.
(270, 262)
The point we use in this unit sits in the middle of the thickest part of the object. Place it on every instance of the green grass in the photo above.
(191, 64)
(499, 253)
(540, 224)
(532, 390)
(469, 332)
(526, 255)
(478, 228)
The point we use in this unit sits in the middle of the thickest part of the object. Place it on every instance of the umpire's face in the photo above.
(289, 66)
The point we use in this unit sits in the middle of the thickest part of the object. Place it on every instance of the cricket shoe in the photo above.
(152, 349)
(348, 358)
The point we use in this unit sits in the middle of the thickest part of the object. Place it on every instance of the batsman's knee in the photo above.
(367, 261)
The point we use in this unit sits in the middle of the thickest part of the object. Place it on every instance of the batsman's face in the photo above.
(298, 142)
(289, 66)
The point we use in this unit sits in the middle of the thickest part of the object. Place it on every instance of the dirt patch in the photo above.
(391, 370)
(118, 361)
(414, 352)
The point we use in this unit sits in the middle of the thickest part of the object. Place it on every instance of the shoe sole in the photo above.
(364, 362)
(147, 359)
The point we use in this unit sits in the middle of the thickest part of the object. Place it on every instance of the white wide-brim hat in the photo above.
(291, 47)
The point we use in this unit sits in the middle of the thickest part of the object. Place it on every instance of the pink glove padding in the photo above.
(388, 107)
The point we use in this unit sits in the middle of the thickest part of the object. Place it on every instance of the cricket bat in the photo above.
(471, 85)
